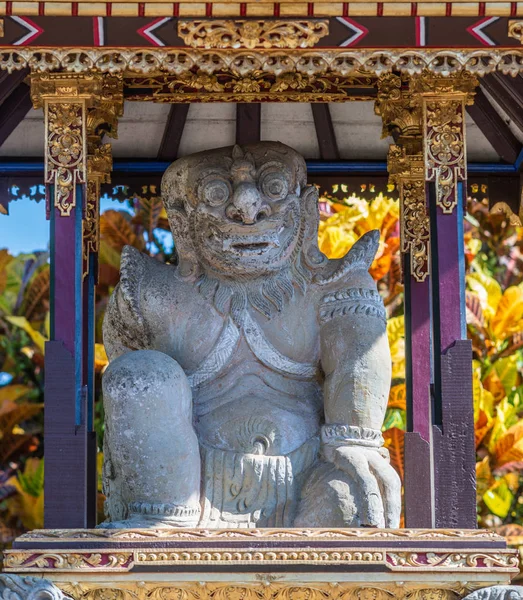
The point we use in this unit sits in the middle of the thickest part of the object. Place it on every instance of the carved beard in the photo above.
(268, 294)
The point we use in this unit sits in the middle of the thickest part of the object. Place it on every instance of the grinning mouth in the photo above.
(251, 247)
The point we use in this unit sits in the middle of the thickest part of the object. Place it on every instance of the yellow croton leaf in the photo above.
(506, 369)
(36, 336)
(396, 335)
(509, 447)
(28, 503)
(506, 415)
(484, 477)
(488, 291)
(508, 318)
(13, 392)
(100, 357)
(381, 207)
(493, 384)
(334, 241)
(483, 399)
(498, 498)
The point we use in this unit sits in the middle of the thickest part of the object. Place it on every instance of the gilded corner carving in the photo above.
(253, 34)
(65, 158)
(408, 173)
(445, 152)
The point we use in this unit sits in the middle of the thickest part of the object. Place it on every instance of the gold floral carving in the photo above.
(41, 561)
(515, 30)
(408, 173)
(65, 164)
(258, 86)
(99, 165)
(252, 33)
(67, 561)
(337, 61)
(465, 561)
(266, 589)
(445, 158)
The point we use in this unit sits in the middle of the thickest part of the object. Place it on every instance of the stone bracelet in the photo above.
(351, 435)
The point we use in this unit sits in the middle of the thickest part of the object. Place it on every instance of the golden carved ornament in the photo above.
(253, 33)
(445, 150)
(338, 61)
(78, 109)
(99, 165)
(408, 173)
(259, 86)
(515, 30)
(265, 589)
(400, 111)
(65, 158)
(431, 84)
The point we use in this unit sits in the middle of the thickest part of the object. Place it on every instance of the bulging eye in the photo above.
(275, 186)
(215, 191)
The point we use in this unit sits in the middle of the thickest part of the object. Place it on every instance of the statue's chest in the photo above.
(197, 337)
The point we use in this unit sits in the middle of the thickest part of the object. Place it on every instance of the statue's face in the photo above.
(245, 213)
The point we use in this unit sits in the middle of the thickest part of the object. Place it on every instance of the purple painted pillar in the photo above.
(419, 492)
(453, 420)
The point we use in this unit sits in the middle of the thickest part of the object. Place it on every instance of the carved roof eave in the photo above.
(337, 61)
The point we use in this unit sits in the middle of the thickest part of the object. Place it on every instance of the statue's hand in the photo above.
(377, 484)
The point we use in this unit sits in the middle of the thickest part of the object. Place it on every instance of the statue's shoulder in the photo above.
(139, 272)
(348, 271)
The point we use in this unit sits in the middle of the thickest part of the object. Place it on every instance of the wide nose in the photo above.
(247, 204)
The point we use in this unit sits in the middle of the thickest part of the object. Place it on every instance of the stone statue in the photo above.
(247, 384)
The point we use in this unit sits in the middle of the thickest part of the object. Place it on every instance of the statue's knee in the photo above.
(146, 380)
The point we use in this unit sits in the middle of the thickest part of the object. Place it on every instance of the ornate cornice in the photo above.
(339, 61)
(405, 560)
(252, 34)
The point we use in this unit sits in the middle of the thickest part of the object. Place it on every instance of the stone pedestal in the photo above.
(269, 564)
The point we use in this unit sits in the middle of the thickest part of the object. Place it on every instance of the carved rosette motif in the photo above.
(65, 166)
(252, 33)
(445, 157)
(515, 30)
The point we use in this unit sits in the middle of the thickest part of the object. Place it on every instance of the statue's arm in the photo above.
(124, 326)
(355, 358)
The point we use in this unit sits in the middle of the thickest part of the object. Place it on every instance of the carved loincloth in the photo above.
(253, 490)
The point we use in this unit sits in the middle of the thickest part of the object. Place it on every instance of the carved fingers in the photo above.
(376, 483)
(390, 486)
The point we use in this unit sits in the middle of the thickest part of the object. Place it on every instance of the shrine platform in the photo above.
(270, 564)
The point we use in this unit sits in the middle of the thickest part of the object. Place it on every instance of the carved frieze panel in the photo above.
(252, 33)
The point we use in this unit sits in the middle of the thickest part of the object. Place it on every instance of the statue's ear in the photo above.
(188, 265)
(311, 219)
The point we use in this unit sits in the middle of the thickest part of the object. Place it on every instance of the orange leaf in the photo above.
(509, 447)
(398, 397)
(481, 427)
(394, 442)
